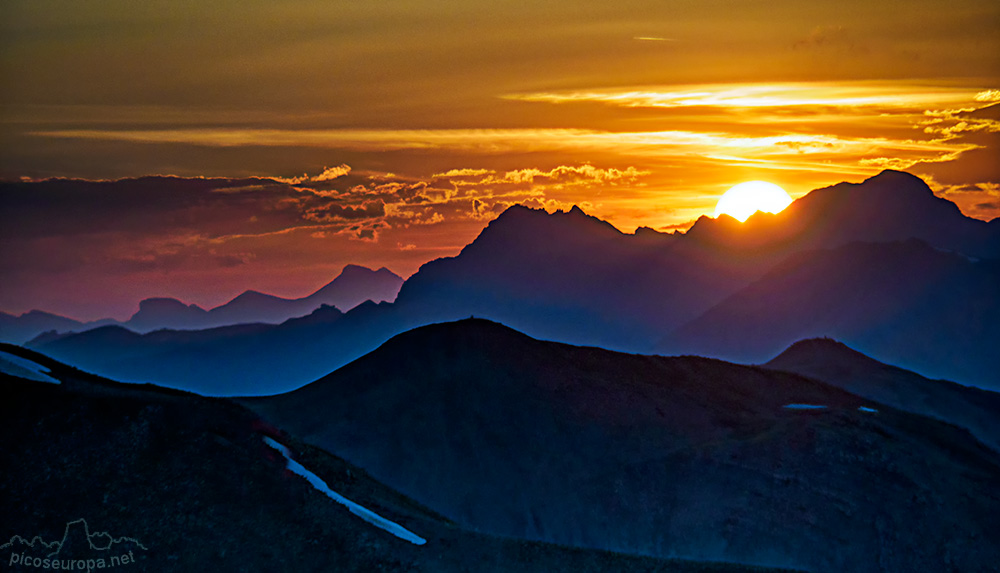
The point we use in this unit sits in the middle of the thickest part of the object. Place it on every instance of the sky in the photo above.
(305, 135)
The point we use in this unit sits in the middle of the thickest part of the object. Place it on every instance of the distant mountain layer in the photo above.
(241, 359)
(907, 303)
(180, 481)
(883, 265)
(685, 456)
(354, 285)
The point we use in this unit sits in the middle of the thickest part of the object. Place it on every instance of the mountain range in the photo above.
(884, 266)
(354, 285)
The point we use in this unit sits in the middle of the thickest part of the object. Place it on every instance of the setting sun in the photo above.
(747, 198)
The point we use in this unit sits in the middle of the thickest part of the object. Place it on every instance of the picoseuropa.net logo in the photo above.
(78, 550)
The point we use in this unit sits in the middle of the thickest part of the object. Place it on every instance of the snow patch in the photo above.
(362, 512)
(24, 368)
(960, 254)
(867, 409)
(804, 406)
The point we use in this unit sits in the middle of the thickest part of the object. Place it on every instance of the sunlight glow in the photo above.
(851, 97)
(745, 199)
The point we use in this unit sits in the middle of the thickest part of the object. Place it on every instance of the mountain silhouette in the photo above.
(722, 289)
(892, 206)
(906, 303)
(22, 328)
(681, 456)
(156, 313)
(568, 276)
(193, 479)
(353, 286)
(839, 365)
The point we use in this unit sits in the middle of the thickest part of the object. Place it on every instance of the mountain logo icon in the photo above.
(78, 549)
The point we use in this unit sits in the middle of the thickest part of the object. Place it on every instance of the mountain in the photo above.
(172, 481)
(687, 457)
(837, 364)
(569, 276)
(356, 284)
(907, 303)
(22, 328)
(892, 206)
(157, 313)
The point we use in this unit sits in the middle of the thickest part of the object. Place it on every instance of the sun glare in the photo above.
(747, 198)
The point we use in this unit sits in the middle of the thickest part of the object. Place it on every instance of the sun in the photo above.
(747, 198)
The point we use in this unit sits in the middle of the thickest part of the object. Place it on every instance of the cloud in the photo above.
(842, 96)
(330, 173)
(564, 173)
(333, 212)
(989, 96)
(463, 173)
(846, 128)
(366, 232)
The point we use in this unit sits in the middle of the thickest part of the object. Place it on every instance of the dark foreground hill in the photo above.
(177, 482)
(686, 457)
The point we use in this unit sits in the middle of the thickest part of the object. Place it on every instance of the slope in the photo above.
(837, 364)
(686, 457)
(184, 483)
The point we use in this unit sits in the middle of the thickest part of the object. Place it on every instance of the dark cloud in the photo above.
(334, 212)
(367, 232)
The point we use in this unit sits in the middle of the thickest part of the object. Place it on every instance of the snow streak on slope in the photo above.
(362, 512)
(24, 368)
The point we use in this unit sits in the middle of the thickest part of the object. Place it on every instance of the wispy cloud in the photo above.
(785, 151)
(841, 95)
(463, 173)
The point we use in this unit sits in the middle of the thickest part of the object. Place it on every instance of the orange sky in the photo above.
(643, 112)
